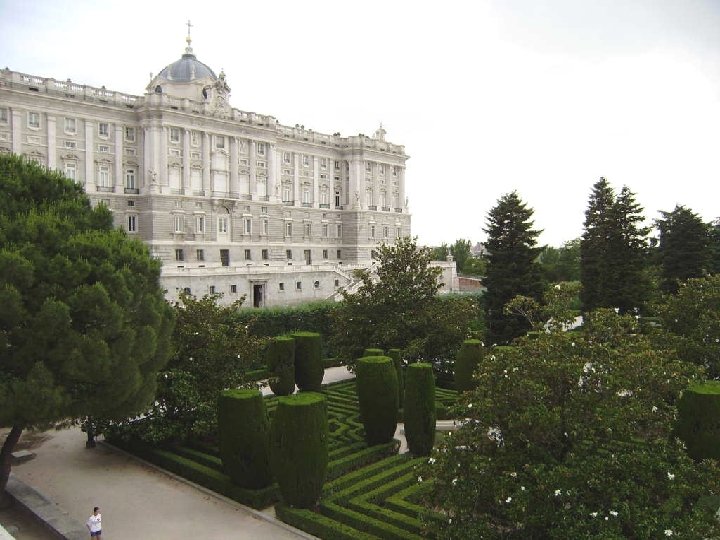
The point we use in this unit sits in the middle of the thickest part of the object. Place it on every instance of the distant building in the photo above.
(232, 202)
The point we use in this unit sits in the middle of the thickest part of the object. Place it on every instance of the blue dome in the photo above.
(187, 69)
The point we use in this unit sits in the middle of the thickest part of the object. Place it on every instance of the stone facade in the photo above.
(232, 202)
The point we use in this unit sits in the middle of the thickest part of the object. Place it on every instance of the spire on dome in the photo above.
(188, 39)
(380, 133)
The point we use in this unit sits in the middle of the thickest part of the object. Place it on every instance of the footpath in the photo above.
(136, 499)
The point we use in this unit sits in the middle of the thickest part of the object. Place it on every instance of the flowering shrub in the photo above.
(569, 435)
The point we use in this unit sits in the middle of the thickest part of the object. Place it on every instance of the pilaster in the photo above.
(234, 178)
(316, 182)
(296, 180)
(206, 163)
(118, 169)
(51, 142)
(272, 172)
(186, 163)
(17, 123)
(90, 185)
(253, 167)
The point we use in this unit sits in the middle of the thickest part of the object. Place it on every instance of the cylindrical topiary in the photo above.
(373, 352)
(378, 397)
(697, 424)
(308, 361)
(280, 360)
(396, 355)
(419, 411)
(467, 359)
(243, 428)
(299, 448)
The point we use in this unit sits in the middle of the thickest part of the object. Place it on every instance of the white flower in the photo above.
(522, 488)
(508, 500)
(469, 405)
(625, 393)
(419, 478)
(593, 514)
(558, 492)
(431, 461)
(613, 513)
(454, 481)
(654, 409)
(668, 532)
(513, 474)
(671, 476)
(450, 521)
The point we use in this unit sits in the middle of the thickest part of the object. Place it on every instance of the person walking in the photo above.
(94, 523)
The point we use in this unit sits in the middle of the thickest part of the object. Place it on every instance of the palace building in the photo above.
(231, 202)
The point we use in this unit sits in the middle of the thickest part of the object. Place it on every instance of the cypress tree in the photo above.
(512, 268)
(684, 247)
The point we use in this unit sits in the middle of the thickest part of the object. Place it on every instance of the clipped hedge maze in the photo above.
(378, 501)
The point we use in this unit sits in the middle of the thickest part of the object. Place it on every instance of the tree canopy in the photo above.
(511, 266)
(84, 326)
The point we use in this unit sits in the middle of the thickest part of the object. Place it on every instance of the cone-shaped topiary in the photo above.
(419, 411)
(697, 425)
(280, 360)
(378, 398)
(244, 430)
(396, 355)
(468, 358)
(373, 352)
(308, 361)
(299, 448)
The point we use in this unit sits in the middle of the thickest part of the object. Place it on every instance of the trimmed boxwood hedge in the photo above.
(373, 352)
(299, 447)
(243, 431)
(396, 355)
(698, 426)
(309, 369)
(468, 358)
(280, 360)
(378, 397)
(419, 411)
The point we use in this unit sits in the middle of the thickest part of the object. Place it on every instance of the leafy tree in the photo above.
(84, 327)
(511, 266)
(460, 251)
(561, 264)
(439, 253)
(613, 251)
(475, 266)
(213, 351)
(684, 247)
(396, 307)
(569, 435)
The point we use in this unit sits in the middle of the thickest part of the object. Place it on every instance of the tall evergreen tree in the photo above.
(684, 249)
(511, 266)
(714, 265)
(613, 251)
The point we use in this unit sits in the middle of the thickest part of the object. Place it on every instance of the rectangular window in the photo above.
(103, 129)
(325, 229)
(130, 181)
(248, 255)
(71, 171)
(187, 290)
(261, 149)
(288, 254)
(306, 160)
(338, 255)
(381, 170)
(265, 227)
(130, 134)
(368, 166)
(372, 231)
(286, 193)
(261, 164)
(130, 151)
(286, 157)
(179, 222)
(337, 199)
(200, 254)
(394, 170)
(199, 224)
(212, 289)
(219, 142)
(103, 179)
(225, 257)
(281, 286)
(4, 117)
(298, 285)
(70, 144)
(386, 232)
(176, 152)
(306, 196)
(337, 282)
(70, 126)
(337, 165)
(103, 148)
(338, 230)
(179, 255)
(131, 203)
(33, 120)
(308, 229)
(174, 135)
(398, 232)
(233, 289)
(325, 253)
(323, 163)
(194, 138)
(247, 225)
(132, 223)
(288, 228)
(265, 254)
(222, 225)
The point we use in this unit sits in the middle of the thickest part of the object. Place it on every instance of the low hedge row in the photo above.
(319, 525)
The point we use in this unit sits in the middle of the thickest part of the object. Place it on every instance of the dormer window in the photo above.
(158, 89)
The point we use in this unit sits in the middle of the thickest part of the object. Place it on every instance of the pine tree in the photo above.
(511, 266)
(684, 248)
(613, 251)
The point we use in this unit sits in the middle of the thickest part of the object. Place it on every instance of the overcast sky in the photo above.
(542, 97)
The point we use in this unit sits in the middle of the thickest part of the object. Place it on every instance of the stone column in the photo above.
(51, 143)
(186, 163)
(206, 163)
(357, 183)
(234, 178)
(163, 149)
(401, 188)
(17, 123)
(119, 185)
(147, 159)
(90, 185)
(272, 172)
(316, 182)
(296, 180)
(253, 167)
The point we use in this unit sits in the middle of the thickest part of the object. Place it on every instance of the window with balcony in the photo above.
(103, 176)
(199, 224)
(71, 170)
(222, 225)
(179, 224)
(247, 225)
(288, 228)
(130, 179)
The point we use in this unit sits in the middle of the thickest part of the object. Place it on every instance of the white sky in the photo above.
(487, 96)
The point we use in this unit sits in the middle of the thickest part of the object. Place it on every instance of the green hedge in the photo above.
(299, 447)
(373, 352)
(309, 369)
(698, 425)
(280, 360)
(243, 430)
(419, 411)
(319, 525)
(468, 358)
(378, 397)
(396, 355)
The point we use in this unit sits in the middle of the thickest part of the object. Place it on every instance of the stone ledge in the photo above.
(58, 523)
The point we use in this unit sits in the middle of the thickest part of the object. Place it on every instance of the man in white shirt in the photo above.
(94, 523)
